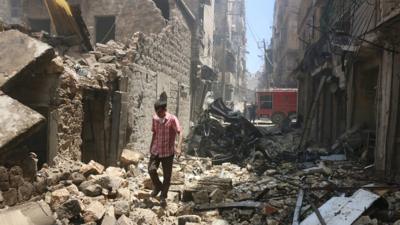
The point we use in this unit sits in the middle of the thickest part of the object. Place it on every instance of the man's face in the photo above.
(161, 112)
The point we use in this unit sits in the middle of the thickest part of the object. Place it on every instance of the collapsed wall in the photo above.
(161, 62)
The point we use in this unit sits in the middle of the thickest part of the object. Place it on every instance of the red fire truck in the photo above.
(276, 103)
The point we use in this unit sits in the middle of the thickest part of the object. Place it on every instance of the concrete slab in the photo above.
(16, 120)
(20, 54)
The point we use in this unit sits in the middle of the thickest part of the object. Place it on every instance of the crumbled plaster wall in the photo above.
(131, 16)
(161, 63)
(69, 116)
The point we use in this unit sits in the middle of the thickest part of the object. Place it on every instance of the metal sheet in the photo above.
(343, 210)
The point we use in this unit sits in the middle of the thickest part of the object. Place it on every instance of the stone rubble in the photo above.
(80, 193)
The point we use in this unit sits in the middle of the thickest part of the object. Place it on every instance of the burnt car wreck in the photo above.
(232, 140)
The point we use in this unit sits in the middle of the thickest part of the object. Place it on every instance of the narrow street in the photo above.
(198, 112)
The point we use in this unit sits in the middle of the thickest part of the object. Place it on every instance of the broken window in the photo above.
(38, 25)
(266, 102)
(163, 5)
(16, 8)
(105, 29)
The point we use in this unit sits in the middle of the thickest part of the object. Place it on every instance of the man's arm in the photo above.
(179, 147)
(178, 130)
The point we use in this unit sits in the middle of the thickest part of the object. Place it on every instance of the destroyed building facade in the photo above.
(347, 77)
(94, 104)
(284, 43)
(230, 49)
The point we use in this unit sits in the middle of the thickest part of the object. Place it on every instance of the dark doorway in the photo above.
(38, 25)
(163, 5)
(94, 143)
(105, 29)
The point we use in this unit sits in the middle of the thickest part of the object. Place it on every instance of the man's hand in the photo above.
(178, 151)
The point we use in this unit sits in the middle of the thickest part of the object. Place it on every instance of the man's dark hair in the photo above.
(160, 104)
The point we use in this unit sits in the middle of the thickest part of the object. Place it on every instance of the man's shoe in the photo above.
(163, 202)
(154, 193)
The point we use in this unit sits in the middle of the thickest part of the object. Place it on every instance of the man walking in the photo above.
(165, 128)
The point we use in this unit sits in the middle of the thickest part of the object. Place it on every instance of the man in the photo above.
(253, 112)
(165, 128)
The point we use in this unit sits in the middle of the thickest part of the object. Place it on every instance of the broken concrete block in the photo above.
(40, 185)
(200, 197)
(93, 212)
(23, 54)
(4, 179)
(115, 172)
(10, 197)
(58, 197)
(143, 194)
(129, 157)
(25, 191)
(92, 168)
(121, 207)
(77, 178)
(89, 188)
(124, 193)
(69, 209)
(220, 222)
(143, 216)
(217, 196)
(182, 220)
(15, 115)
(109, 216)
(107, 59)
(174, 196)
(148, 184)
(123, 220)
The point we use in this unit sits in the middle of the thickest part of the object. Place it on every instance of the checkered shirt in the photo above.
(164, 135)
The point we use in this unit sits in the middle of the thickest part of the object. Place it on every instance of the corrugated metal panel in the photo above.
(343, 210)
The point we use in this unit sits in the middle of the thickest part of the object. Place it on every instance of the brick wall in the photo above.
(160, 63)
(131, 16)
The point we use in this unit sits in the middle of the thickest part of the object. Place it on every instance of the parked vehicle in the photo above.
(277, 103)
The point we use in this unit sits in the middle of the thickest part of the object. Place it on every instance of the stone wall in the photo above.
(69, 116)
(160, 63)
(131, 16)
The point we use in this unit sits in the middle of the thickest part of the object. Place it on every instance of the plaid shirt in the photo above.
(164, 135)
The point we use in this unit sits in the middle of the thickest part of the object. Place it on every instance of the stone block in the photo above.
(121, 207)
(129, 157)
(58, 197)
(69, 209)
(25, 191)
(10, 197)
(92, 168)
(217, 196)
(182, 220)
(200, 197)
(94, 212)
(23, 54)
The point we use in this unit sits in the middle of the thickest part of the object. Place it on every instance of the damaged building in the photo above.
(347, 78)
(284, 44)
(90, 105)
(230, 49)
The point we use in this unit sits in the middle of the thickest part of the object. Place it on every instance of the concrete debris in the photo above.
(235, 173)
(129, 157)
(92, 168)
(23, 53)
(17, 121)
(94, 212)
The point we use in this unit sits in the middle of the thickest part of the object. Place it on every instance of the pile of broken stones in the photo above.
(200, 193)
